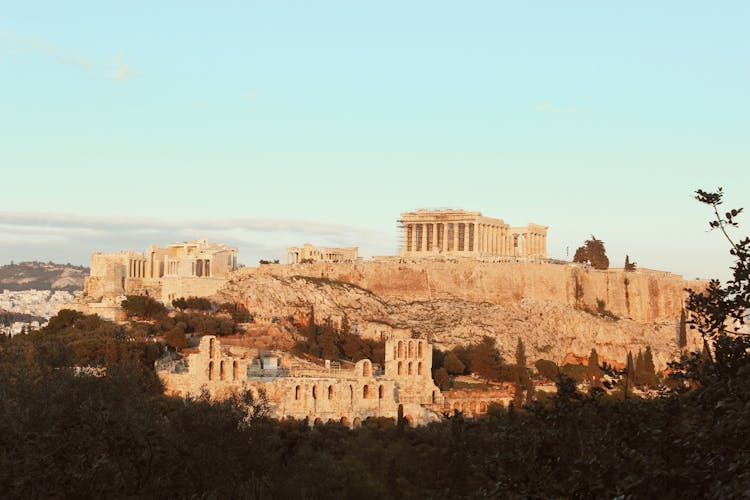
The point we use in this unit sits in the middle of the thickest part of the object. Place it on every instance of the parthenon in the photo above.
(468, 234)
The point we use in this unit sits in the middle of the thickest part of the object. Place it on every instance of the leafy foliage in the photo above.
(592, 252)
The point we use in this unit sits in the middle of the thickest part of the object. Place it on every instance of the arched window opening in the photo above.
(315, 392)
(380, 392)
(400, 349)
(400, 367)
(411, 348)
(210, 370)
(419, 368)
(395, 352)
(365, 391)
(222, 371)
(434, 397)
(330, 392)
(419, 349)
(211, 348)
(296, 392)
(235, 370)
(409, 372)
(366, 369)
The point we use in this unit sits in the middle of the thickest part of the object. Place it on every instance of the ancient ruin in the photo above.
(189, 268)
(468, 234)
(313, 392)
(310, 253)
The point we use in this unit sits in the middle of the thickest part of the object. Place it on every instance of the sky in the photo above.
(269, 124)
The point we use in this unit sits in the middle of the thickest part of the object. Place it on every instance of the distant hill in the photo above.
(42, 276)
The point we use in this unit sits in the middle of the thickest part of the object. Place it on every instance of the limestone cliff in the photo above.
(459, 305)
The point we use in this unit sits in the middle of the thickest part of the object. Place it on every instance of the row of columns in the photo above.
(535, 244)
(446, 237)
(495, 240)
(137, 268)
(484, 239)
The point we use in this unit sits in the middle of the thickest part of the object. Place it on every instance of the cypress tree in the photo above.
(639, 378)
(629, 374)
(649, 369)
(682, 338)
(593, 372)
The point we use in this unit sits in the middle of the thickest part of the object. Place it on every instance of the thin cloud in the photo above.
(250, 95)
(20, 43)
(122, 72)
(71, 237)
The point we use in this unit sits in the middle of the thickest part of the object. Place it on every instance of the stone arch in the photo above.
(318, 421)
(235, 370)
(380, 391)
(419, 368)
(483, 407)
(315, 392)
(344, 421)
(331, 392)
(351, 397)
(419, 349)
(297, 391)
(210, 370)
(211, 348)
(409, 370)
(330, 421)
(222, 371)
(357, 421)
(465, 407)
(400, 348)
(434, 397)
(411, 348)
(395, 351)
(365, 391)
(366, 369)
(400, 368)
(473, 407)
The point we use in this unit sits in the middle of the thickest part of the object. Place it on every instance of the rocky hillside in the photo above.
(42, 276)
(550, 330)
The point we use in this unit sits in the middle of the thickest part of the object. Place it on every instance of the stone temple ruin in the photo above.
(190, 268)
(346, 395)
(468, 234)
(310, 253)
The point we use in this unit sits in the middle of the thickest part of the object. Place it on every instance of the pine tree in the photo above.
(629, 266)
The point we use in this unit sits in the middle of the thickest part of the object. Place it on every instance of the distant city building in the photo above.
(468, 234)
(310, 253)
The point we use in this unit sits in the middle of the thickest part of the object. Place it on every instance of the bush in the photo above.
(547, 369)
(140, 306)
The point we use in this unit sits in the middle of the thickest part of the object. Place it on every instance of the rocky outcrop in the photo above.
(550, 329)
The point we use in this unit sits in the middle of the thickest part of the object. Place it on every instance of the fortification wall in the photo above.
(642, 295)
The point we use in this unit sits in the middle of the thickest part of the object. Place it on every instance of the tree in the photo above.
(176, 336)
(629, 266)
(682, 337)
(547, 369)
(629, 378)
(453, 365)
(593, 371)
(441, 378)
(485, 359)
(720, 313)
(593, 253)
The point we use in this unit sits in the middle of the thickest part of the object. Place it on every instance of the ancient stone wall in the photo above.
(320, 395)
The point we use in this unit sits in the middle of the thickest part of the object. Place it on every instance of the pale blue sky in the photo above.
(267, 124)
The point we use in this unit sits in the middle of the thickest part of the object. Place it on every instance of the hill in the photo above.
(42, 276)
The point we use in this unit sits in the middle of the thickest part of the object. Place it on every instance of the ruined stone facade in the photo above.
(310, 253)
(318, 394)
(190, 268)
(468, 234)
